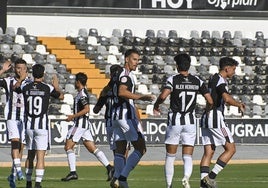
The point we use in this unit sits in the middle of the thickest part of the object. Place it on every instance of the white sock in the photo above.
(71, 160)
(119, 163)
(169, 168)
(13, 170)
(39, 173)
(188, 165)
(131, 163)
(17, 164)
(101, 157)
(217, 168)
(29, 173)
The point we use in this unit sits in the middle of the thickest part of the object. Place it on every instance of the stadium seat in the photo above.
(137, 41)
(150, 109)
(201, 100)
(237, 42)
(69, 88)
(65, 109)
(93, 32)
(114, 41)
(7, 39)
(114, 50)
(259, 35)
(161, 34)
(213, 69)
(216, 34)
(117, 33)
(17, 48)
(111, 59)
(257, 112)
(154, 89)
(143, 79)
(248, 42)
(238, 35)
(226, 34)
(172, 34)
(150, 33)
(49, 68)
(205, 34)
(104, 41)
(158, 59)
(19, 39)
(259, 43)
(29, 49)
(192, 70)
(102, 50)
(10, 31)
(82, 32)
(234, 111)
(40, 48)
(194, 61)
(257, 99)
(194, 34)
(128, 33)
(204, 61)
(28, 58)
(51, 58)
(92, 40)
(259, 52)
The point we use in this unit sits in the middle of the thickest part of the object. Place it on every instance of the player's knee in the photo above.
(15, 144)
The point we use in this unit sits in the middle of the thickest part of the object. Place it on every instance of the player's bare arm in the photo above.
(161, 98)
(55, 84)
(6, 66)
(125, 93)
(209, 103)
(78, 114)
(231, 101)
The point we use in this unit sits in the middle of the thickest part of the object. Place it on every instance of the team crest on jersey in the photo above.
(124, 80)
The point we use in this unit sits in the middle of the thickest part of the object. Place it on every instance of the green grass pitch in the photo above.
(233, 176)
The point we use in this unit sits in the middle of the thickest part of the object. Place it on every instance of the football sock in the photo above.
(101, 157)
(71, 160)
(188, 165)
(17, 164)
(131, 163)
(204, 170)
(119, 163)
(169, 168)
(216, 169)
(29, 173)
(39, 173)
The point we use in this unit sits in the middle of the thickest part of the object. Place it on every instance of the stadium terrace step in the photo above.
(77, 63)
(91, 73)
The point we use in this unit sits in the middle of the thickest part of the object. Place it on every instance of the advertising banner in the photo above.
(152, 4)
(247, 131)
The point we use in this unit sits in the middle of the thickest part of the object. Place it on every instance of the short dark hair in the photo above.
(81, 77)
(227, 61)
(183, 62)
(114, 69)
(20, 61)
(131, 51)
(38, 71)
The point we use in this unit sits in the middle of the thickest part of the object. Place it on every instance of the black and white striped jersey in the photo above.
(217, 86)
(184, 90)
(124, 108)
(80, 101)
(14, 109)
(36, 99)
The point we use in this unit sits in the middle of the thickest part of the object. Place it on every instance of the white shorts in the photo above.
(37, 139)
(15, 129)
(216, 136)
(110, 136)
(184, 133)
(76, 133)
(126, 130)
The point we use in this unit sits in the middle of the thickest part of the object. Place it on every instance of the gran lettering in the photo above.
(224, 3)
(249, 130)
(171, 3)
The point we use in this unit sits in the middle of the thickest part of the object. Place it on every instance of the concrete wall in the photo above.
(60, 25)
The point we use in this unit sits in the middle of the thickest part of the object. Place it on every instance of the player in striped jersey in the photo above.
(125, 120)
(82, 129)
(214, 129)
(106, 98)
(14, 115)
(36, 99)
(183, 89)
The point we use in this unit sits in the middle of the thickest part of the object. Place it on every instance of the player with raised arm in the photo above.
(14, 115)
(183, 89)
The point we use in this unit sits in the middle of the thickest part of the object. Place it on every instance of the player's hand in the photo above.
(148, 98)
(242, 108)
(70, 117)
(55, 81)
(157, 112)
(6, 66)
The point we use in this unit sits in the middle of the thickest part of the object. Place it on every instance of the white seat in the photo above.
(68, 99)
(28, 58)
(69, 88)
(238, 71)
(150, 109)
(65, 109)
(213, 69)
(114, 50)
(158, 59)
(204, 60)
(238, 59)
(92, 40)
(257, 111)
(19, 39)
(257, 99)
(168, 69)
(111, 59)
(51, 58)
(154, 89)
(194, 61)
(143, 89)
(40, 48)
(49, 68)
(233, 110)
